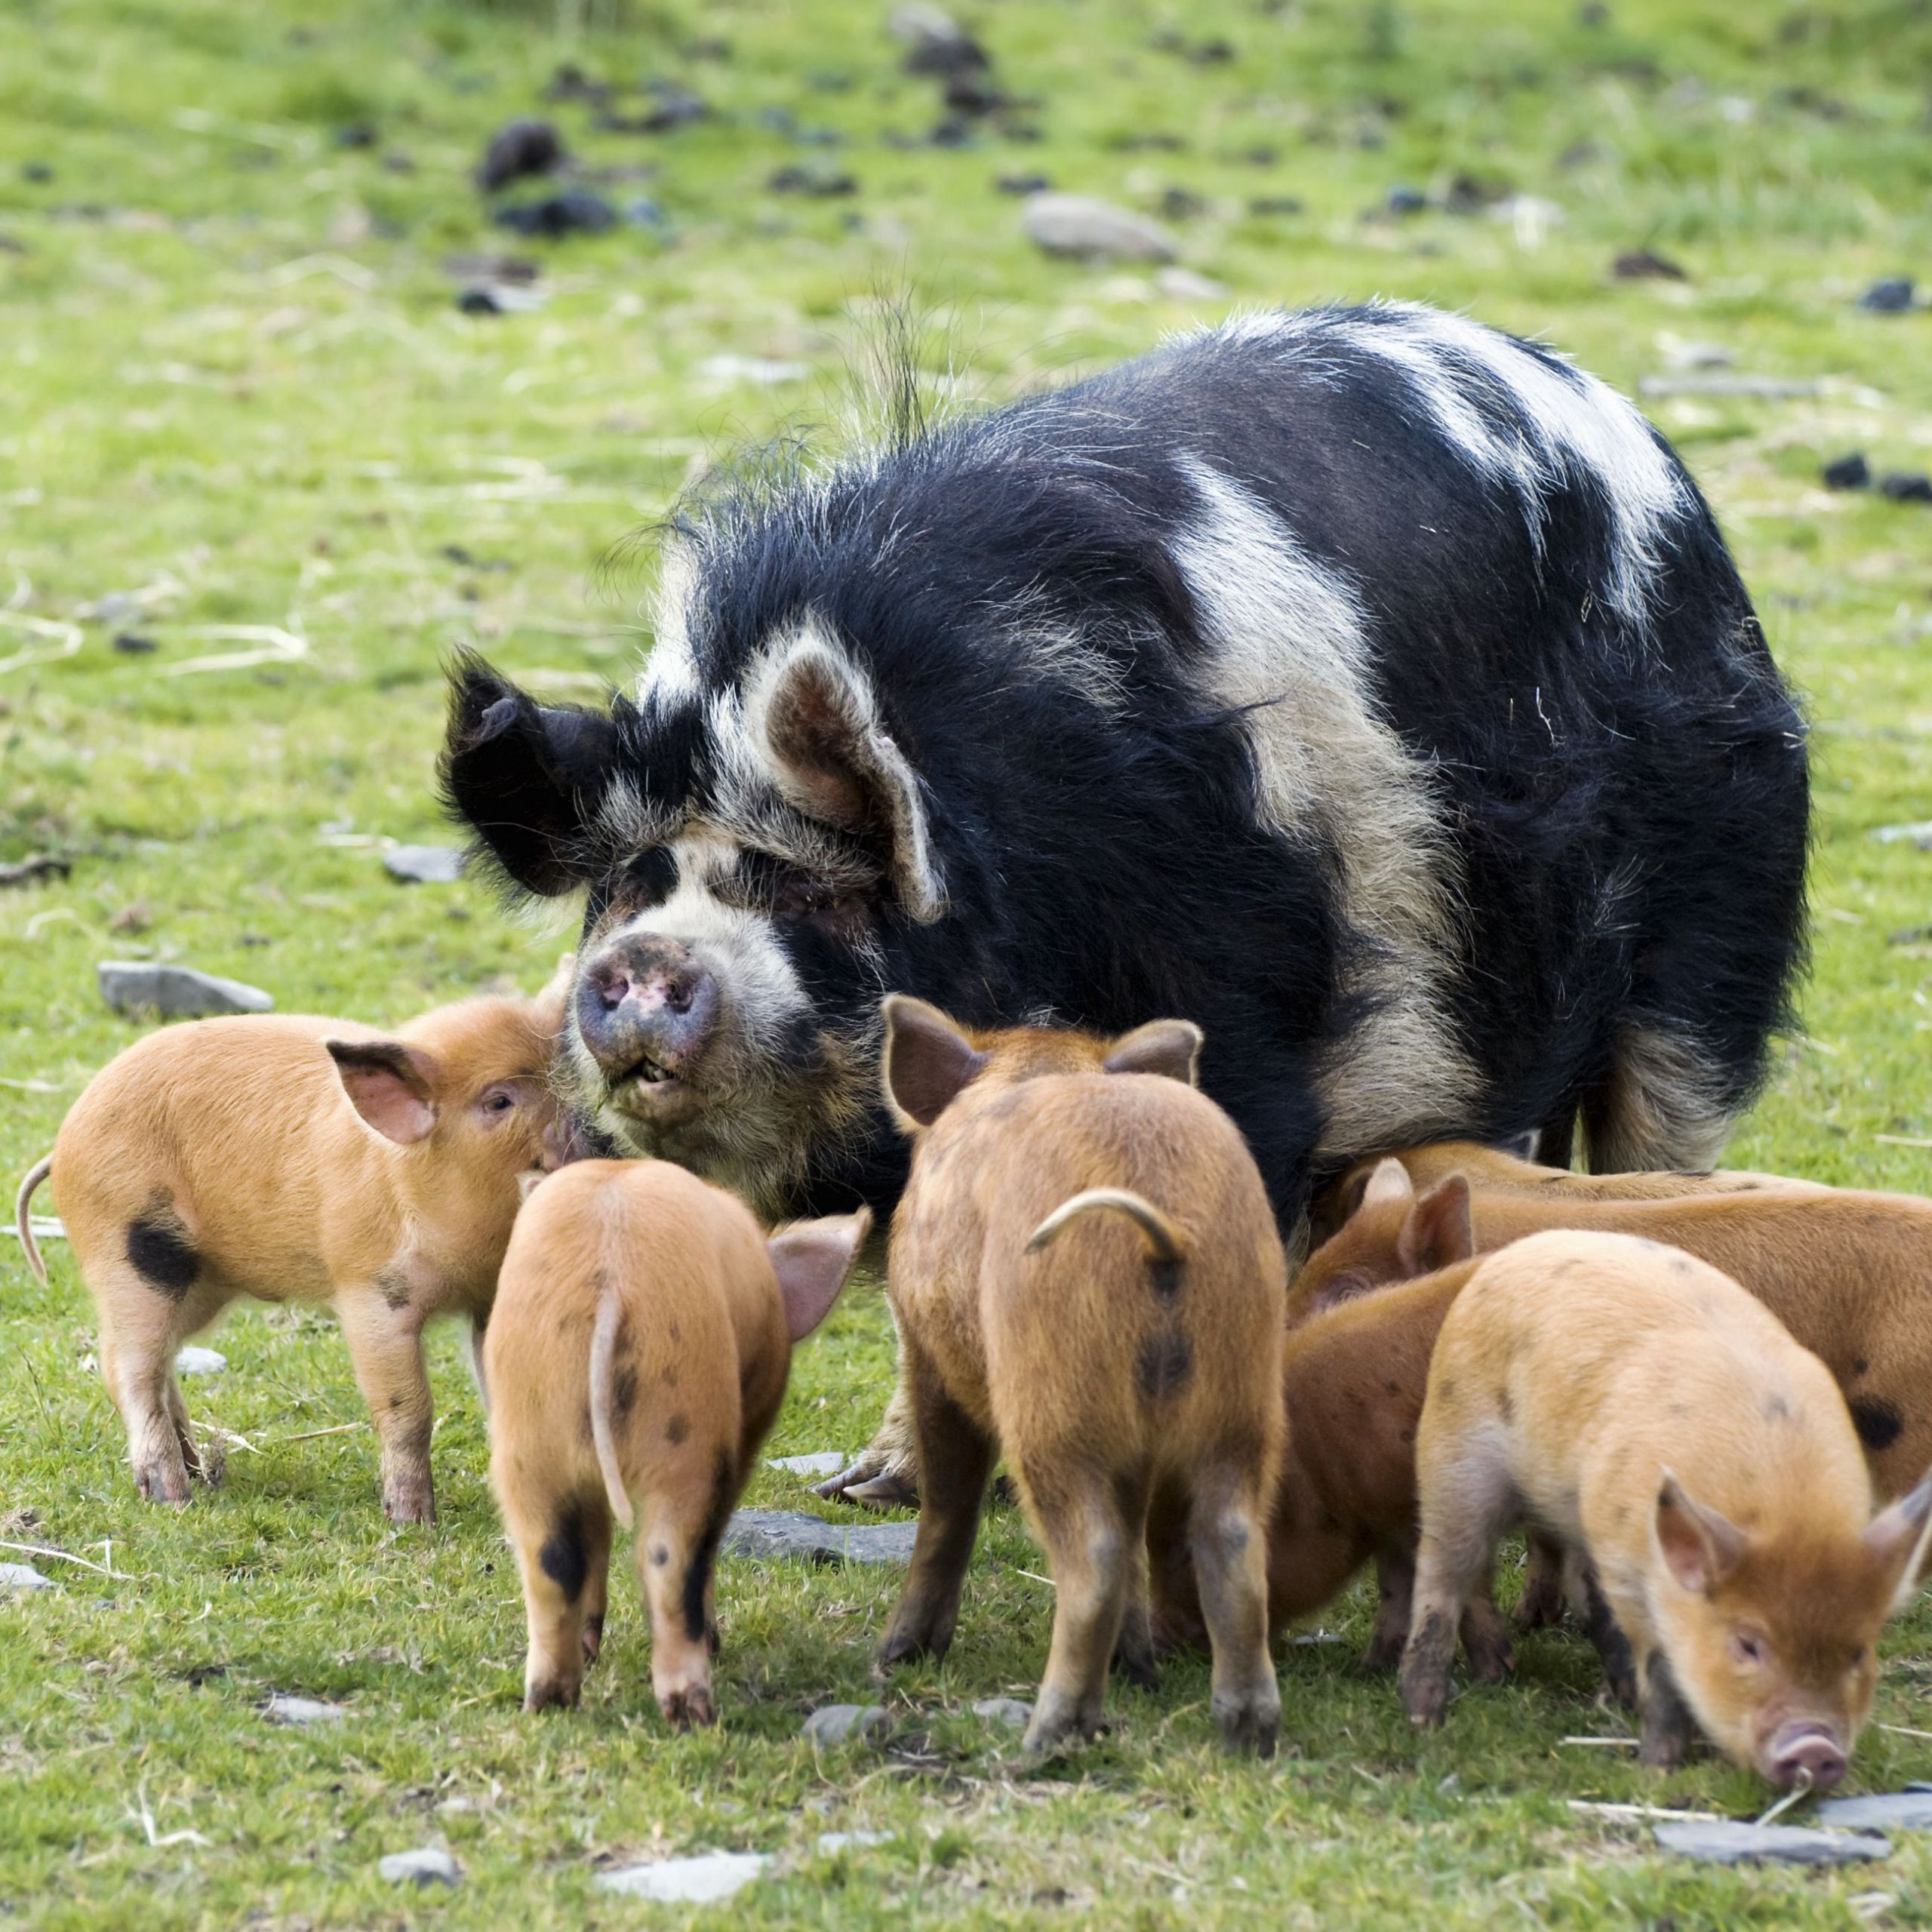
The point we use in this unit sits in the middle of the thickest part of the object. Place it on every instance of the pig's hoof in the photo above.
(905, 1647)
(410, 1502)
(593, 1638)
(1425, 1698)
(1134, 1661)
(875, 1482)
(1254, 1723)
(547, 1694)
(1058, 1726)
(162, 1482)
(1385, 1650)
(690, 1705)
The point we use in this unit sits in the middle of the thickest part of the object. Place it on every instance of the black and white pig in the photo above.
(1370, 687)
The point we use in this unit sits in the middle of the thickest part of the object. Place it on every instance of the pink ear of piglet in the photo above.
(812, 1259)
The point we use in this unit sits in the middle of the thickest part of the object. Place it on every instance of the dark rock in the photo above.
(519, 269)
(1646, 265)
(176, 992)
(36, 170)
(576, 211)
(935, 43)
(357, 134)
(456, 554)
(1151, 142)
(1891, 297)
(36, 867)
(812, 177)
(1094, 230)
(1469, 194)
(846, 1724)
(395, 164)
(1849, 472)
(1271, 204)
(1579, 154)
(767, 1535)
(645, 212)
(1023, 184)
(131, 644)
(672, 107)
(1906, 487)
(1731, 1841)
(521, 148)
(1406, 200)
(1909, 1810)
(1179, 203)
(570, 82)
(955, 131)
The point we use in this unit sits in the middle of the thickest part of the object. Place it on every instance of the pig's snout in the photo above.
(646, 1007)
(1807, 1748)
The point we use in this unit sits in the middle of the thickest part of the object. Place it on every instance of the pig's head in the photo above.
(1393, 1234)
(930, 1058)
(753, 861)
(1772, 1639)
(465, 1092)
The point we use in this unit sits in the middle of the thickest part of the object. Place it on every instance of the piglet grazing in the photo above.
(297, 1159)
(1645, 1411)
(639, 1351)
(1087, 1276)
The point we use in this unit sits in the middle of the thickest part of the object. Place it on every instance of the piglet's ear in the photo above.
(551, 1001)
(812, 1260)
(1701, 1546)
(1168, 1046)
(1438, 1231)
(523, 775)
(1896, 1538)
(928, 1060)
(1388, 1186)
(391, 1085)
(813, 714)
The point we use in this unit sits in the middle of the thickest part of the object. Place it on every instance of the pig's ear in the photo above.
(1438, 1231)
(1896, 1538)
(523, 775)
(926, 1061)
(812, 717)
(812, 1260)
(391, 1085)
(1523, 1146)
(1700, 1546)
(1169, 1047)
(1388, 1186)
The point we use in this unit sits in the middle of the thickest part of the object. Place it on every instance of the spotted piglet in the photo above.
(639, 1350)
(295, 1159)
(1087, 1277)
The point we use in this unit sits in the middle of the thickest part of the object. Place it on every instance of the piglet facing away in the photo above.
(1087, 1276)
(1645, 1411)
(297, 1159)
(639, 1351)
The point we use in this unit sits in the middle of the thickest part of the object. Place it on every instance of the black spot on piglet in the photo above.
(563, 1558)
(159, 1251)
(1878, 1423)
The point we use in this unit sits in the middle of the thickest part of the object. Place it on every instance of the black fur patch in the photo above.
(1166, 1361)
(677, 1428)
(697, 1573)
(1164, 1277)
(159, 1251)
(623, 1390)
(565, 1556)
(394, 1285)
(1878, 1423)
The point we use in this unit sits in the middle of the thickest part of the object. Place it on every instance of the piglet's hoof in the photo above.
(409, 1500)
(593, 1638)
(692, 1705)
(163, 1482)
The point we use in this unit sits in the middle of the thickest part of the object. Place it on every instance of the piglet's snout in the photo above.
(1803, 1749)
(646, 1007)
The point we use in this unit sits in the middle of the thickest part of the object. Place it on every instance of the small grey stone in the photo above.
(424, 865)
(1918, 833)
(826, 1463)
(1179, 284)
(177, 993)
(1729, 1842)
(431, 1866)
(918, 25)
(712, 1876)
(829, 1842)
(1891, 297)
(1907, 1811)
(759, 371)
(282, 1709)
(762, 1535)
(1094, 230)
(194, 1361)
(1759, 389)
(1011, 1711)
(24, 1577)
(846, 1724)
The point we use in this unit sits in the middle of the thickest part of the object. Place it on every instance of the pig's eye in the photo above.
(1747, 1647)
(498, 1101)
(1860, 1658)
(799, 897)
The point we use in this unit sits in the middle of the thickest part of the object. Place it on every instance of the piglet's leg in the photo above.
(1467, 1502)
(1174, 1607)
(1541, 1604)
(1666, 1726)
(955, 1458)
(1395, 1588)
(563, 1549)
(141, 1328)
(683, 1518)
(386, 1347)
(1229, 1531)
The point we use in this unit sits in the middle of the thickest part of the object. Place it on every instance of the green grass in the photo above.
(232, 375)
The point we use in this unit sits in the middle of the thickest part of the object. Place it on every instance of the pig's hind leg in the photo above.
(141, 1327)
(1468, 1501)
(685, 1507)
(1228, 1530)
(563, 1551)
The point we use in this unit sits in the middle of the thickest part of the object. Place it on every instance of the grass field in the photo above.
(235, 389)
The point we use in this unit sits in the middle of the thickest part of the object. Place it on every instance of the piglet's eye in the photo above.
(1747, 1647)
(499, 1100)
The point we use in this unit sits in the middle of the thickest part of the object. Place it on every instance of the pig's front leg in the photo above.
(386, 1347)
(1667, 1726)
(885, 1474)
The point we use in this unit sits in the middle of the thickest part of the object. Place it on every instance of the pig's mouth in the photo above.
(655, 1091)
